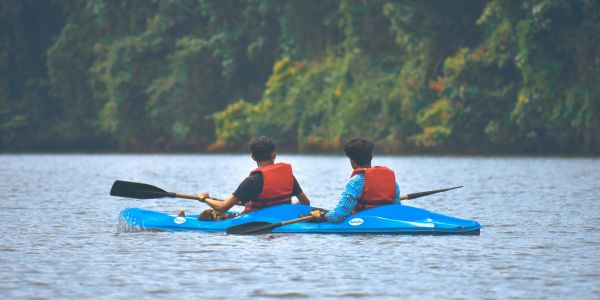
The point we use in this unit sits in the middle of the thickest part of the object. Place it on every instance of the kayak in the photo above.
(395, 219)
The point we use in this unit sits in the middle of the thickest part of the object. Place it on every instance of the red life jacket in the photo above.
(380, 188)
(278, 186)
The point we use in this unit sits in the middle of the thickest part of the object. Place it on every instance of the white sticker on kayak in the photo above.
(179, 220)
(420, 224)
(356, 221)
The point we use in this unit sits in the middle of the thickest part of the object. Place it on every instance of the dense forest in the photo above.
(460, 76)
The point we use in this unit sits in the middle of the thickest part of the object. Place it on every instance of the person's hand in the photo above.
(202, 196)
(319, 215)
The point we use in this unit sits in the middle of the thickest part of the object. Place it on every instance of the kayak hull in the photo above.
(388, 219)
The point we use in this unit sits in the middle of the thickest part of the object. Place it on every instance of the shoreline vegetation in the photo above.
(244, 151)
(417, 77)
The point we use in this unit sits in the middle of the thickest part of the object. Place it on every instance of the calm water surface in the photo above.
(61, 239)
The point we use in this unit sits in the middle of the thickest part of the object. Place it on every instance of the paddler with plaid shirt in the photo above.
(368, 186)
(269, 184)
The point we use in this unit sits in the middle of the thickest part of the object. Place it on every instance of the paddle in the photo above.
(421, 194)
(144, 191)
(266, 227)
(261, 227)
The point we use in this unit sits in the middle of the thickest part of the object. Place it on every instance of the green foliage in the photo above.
(234, 122)
(436, 123)
(412, 75)
(27, 113)
(297, 108)
(539, 111)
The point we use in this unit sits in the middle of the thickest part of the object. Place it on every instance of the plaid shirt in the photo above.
(350, 195)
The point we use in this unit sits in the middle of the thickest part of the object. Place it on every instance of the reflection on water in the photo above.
(61, 239)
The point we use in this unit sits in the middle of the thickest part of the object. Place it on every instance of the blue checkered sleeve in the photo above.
(350, 196)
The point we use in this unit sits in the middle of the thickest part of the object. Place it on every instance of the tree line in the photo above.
(415, 76)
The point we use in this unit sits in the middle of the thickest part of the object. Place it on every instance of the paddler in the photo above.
(269, 184)
(369, 186)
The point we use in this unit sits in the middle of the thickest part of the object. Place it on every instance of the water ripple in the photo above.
(279, 294)
(65, 241)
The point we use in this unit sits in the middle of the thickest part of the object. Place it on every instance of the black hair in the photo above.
(359, 150)
(261, 148)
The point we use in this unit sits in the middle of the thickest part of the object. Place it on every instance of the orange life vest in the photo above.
(380, 188)
(278, 186)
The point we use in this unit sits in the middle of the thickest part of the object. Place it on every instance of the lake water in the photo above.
(60, 234)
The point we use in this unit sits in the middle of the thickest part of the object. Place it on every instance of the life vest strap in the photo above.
(362, 205)
(252, 205)
(273, 198)
(375, 202)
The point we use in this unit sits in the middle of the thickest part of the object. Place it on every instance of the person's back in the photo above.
(368, 186)
(379, 187)
(269, 184)
(273, 184)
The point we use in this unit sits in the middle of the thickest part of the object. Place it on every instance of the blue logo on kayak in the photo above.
(356, 221)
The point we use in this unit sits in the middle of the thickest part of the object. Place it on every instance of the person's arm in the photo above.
(350, 197)
(397, 200)
(219, 205)
(303, 199)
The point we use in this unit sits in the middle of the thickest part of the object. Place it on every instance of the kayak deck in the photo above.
(394, 219)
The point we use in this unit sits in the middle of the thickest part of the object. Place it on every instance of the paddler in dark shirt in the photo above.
(269, 184)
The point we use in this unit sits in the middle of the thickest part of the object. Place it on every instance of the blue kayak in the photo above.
(396, 219)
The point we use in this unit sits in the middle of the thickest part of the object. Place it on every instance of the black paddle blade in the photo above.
(138, 190)
(252, 228)
(421, 194)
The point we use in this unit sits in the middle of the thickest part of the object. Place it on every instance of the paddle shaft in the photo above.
(262, 227)
(185, 196)
(307, 218)
(138, 190)
(192, 197)
(422, 194)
